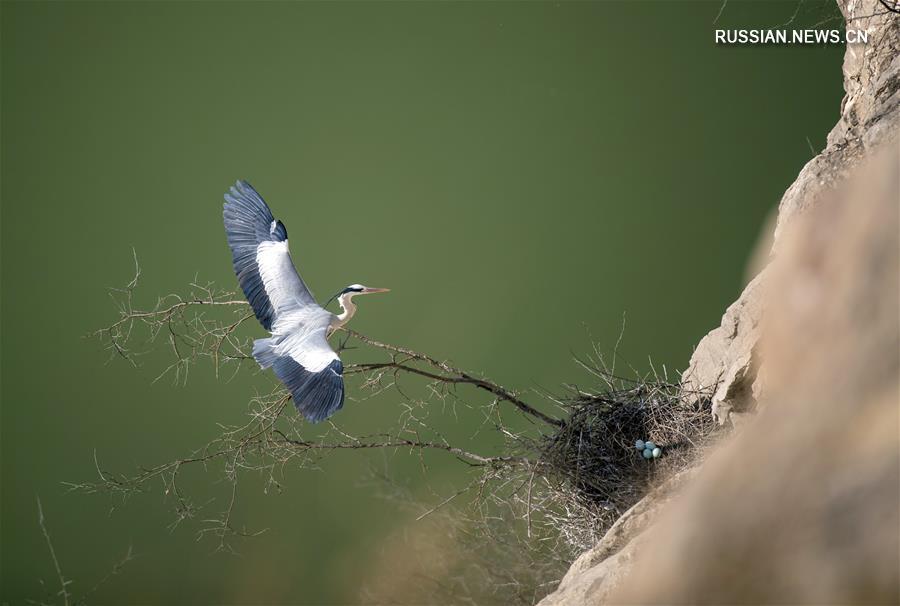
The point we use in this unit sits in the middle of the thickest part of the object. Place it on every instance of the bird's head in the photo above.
(356, 289)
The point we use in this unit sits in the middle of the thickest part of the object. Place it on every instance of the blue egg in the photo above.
(639, 444)
(656, 452)
(647, 453)
(649, 444)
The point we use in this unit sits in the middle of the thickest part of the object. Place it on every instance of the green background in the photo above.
(520, 174)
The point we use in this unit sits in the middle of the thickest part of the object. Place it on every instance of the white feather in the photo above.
(300, 325)
(283, 285)
(301, 334)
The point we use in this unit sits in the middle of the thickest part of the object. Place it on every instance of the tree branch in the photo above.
(453, 375)
(399, 443)
(63, 583)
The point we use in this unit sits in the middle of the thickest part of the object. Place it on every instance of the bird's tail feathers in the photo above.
(263, 352)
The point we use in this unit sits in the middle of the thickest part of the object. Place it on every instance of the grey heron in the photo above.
(298, 350)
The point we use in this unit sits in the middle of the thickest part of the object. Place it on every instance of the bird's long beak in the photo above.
(369, 291)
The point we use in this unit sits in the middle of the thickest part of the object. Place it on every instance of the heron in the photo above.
(298, 350)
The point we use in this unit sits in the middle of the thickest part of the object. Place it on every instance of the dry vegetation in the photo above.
(550, 492)
(591, 463)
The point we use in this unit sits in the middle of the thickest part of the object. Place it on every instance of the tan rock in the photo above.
(724, 361)
(598, 571)
(802, 505)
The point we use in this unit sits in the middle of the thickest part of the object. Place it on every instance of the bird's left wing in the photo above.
(262, 262)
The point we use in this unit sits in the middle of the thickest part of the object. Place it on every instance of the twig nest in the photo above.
(648, 454)
(649, 445)
(656, 452)
(639, 444)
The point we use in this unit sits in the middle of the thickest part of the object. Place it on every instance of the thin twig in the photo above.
(63, 583)
(455, 375)
(400, 443)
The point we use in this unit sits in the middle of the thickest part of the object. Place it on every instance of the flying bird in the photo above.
(298, 350)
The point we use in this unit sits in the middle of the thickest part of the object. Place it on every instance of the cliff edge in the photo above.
(801, 504)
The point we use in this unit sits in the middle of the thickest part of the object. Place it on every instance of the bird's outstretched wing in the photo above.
(308, 367)
(262, 262)
(298, 350)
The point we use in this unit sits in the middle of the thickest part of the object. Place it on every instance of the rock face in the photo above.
(726, 360)
(598, 571)
(801, 506)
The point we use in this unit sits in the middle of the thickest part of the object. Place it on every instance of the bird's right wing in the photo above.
(262, 262)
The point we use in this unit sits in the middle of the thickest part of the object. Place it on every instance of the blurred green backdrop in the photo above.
(520, 174)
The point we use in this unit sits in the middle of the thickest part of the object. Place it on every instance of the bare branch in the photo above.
(63, 583)
(452, 375)
(552, 487)
(353, 445)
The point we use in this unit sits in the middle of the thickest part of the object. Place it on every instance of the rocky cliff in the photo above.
(801, 505)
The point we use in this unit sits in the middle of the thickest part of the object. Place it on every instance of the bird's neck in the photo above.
(348, 309)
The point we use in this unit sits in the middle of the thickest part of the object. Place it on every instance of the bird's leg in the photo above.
(342, 345)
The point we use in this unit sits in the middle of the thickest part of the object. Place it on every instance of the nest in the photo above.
(593, 457)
